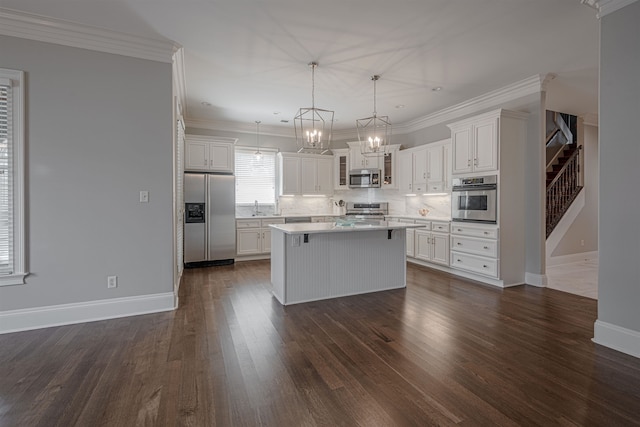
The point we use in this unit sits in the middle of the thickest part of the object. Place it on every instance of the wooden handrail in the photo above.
(564, 168)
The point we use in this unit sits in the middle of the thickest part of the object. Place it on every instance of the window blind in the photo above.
(255, 178)
(6, 185)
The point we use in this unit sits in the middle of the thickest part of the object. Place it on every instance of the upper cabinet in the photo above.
(358, 161)
(426, 168)
(209, 154)
(475, 144)
(341, 168)
(305, 174)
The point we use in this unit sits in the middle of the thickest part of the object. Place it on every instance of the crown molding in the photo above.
(496, 98)
(605, 7)
(24, 25)
(529, 86)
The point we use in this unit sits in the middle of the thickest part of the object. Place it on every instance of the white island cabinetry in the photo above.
(317, 261)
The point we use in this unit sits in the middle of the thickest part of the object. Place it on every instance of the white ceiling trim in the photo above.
(605, 7)
(45, 29)
(532, 85)
(491, 99)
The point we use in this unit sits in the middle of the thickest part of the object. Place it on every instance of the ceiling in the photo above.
(247, 60)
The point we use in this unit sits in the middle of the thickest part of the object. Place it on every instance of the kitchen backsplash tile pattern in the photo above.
(438, 206)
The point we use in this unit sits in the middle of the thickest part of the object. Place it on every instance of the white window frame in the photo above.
(15, 80)
(275, 183)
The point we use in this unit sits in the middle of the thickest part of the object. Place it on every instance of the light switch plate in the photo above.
(144, 196)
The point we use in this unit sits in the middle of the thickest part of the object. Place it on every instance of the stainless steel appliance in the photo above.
(367, 211)
(364, 178)
(209, 224)
(475, 199)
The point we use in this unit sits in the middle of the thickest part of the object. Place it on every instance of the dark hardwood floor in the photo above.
(443, 351)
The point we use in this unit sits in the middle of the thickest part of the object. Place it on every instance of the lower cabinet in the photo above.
(433, 246)
(253, 236)
(474, 248)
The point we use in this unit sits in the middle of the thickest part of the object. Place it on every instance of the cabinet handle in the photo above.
(475, 162)
(459, 260)
(459, 244)
(486, 247)
(469, 162)
(486, 232)
(484, 266)
(206, 162)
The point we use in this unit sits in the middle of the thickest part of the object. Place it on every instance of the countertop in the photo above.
(424, 218)
(330, 227)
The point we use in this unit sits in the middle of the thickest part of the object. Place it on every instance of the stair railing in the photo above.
(563, 190)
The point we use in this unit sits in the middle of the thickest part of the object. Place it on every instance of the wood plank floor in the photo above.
(443, 351)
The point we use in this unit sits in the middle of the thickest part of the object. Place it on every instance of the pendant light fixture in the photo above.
(313, 125)
(258, 153)
(374, 132)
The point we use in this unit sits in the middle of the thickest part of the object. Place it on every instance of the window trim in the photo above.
(19, 271)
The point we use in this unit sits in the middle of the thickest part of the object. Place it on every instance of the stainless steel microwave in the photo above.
(364, 178)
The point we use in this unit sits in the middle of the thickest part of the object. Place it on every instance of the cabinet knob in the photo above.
(486, 247)
(484, 266)
(459, 260)
(486, 232)
(469, 162)
(459, 244)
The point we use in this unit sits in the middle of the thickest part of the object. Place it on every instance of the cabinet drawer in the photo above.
(266, 222)
(435, 187)
(442, 227)
(471, 245)
(426, 225)
(474, 231)
(475, 264)
(248, 223)
(406, 221)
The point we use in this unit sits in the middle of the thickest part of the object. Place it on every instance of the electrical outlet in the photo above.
(581, 242)
(112, 282)
(295, 240)
(144, 196)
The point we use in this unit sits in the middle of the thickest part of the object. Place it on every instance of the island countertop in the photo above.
(331, 227)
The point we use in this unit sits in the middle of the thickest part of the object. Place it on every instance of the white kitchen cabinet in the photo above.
(425, 169)
(474, 248)
(475, 144)
(405, 172)
(389, 167)
(253, 236)
(341, 169)
(433, 246)
(210, 154)
(359, 161)
(305, 174)
(410, 237)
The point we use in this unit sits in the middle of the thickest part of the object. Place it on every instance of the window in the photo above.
(12, 236)
(255, 177)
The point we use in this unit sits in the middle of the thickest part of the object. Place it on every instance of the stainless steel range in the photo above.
(367, 211)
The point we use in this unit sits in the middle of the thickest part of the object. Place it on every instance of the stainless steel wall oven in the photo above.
(475, 199)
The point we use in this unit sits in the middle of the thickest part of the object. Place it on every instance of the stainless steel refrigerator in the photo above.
(209, 223)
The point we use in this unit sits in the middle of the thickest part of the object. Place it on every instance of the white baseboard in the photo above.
(616, 337)
(67, 314)
(568, 259)
(539, 280)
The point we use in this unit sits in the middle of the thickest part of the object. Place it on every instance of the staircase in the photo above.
(563, 170)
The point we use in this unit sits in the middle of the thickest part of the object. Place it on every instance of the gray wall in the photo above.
(99, 130)
(619, 276)
(585, 226)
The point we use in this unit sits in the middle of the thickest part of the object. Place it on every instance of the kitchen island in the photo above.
(317, 261)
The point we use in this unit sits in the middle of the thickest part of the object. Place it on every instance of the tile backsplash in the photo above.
(399, 204)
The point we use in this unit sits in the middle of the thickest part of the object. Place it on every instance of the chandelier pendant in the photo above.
(313, 126)
(374, 132)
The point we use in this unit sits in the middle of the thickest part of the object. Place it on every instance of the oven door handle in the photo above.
(475, 187)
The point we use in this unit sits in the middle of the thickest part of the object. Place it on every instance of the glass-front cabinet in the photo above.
(341, 168)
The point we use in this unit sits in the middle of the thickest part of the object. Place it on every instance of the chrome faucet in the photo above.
(255, 208)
